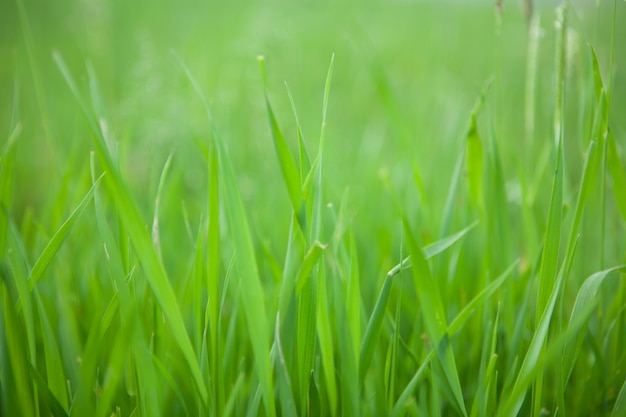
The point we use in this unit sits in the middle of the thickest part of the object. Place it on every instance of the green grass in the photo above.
(427, 218)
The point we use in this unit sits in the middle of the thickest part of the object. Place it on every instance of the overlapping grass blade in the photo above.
(140, 238)
(374, 325)
(54, 368)
(305, 160)
(22, 395)
(434, 317)
(455, 326)
(310, 261)
(250, 288)
(325, 340)
(585, 299)
(285, 388)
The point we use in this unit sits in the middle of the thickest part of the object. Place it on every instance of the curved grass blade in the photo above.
(585, 298)
(310, 260)
(58, 238)
(155, 220)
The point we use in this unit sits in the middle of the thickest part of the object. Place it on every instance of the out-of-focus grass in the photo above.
(166, 250)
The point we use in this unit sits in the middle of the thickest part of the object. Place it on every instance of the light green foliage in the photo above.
(276, 209)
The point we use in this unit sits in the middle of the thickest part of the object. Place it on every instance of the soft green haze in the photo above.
(312, 208)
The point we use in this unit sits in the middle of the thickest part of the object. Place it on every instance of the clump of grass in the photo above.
(175, 300)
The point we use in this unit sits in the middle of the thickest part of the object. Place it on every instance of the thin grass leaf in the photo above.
(305, 160)
(250, 288)
(552, 238)
(58, 238)
(155, 220)
(212, 276)
(325, 340)
(285, 389)
(534, 354)
(353, 298)
(305, 345)
(310, 260)
(287, 164)
(349, 380)
(618, 175)
(475, 164)
(585, 299)
(229, 405)
(434, 317)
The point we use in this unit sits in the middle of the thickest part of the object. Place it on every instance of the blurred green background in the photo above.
(406, 77)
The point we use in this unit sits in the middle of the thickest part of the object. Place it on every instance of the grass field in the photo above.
(343, 208)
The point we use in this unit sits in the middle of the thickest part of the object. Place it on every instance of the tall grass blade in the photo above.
(250, 288)
(434, 317)
(287, 164)
(325, 340)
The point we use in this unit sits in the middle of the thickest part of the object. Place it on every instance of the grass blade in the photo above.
(250, 288)
(287, 164)
(434, 317)
(58, 238)
(585, 299)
